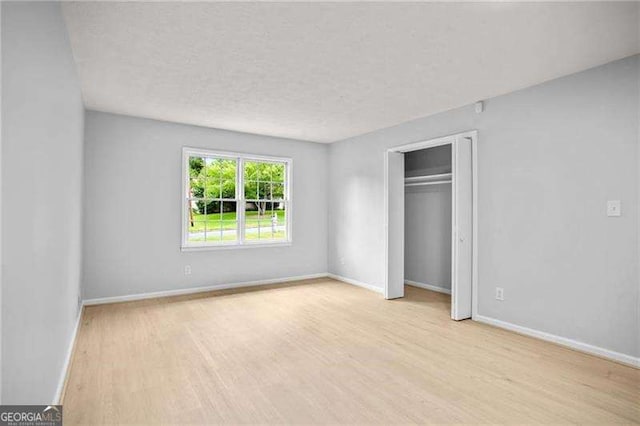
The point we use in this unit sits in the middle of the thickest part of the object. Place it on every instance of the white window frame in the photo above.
(240, 197)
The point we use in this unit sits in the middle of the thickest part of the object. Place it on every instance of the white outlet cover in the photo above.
(614, 208)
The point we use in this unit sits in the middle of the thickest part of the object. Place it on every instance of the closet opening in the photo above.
(427, 218)
(431, 220)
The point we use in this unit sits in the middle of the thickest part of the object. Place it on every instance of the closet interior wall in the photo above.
(428, 218)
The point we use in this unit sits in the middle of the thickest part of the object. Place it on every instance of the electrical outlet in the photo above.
(187, 270)
(499, 293)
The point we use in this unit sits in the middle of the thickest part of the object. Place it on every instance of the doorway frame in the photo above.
(430, 143)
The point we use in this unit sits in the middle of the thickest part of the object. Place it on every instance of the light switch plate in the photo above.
(614, 208)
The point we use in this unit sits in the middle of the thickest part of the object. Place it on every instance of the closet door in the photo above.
(395, 226)
(462, 199)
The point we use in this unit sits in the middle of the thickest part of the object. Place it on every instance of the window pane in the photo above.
(250, 170)
(274, 227)
(265, 221)
(228, 178)
(197, 222)
(196, 177)
(277, 172)
(196, 164)
(277, 191)
(264, 190)
(251, 220)
(213, 188)
(229, 221)
(220, 177)
(263, 171)
(251, 190)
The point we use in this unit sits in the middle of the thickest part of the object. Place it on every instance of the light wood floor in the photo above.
(327, 352)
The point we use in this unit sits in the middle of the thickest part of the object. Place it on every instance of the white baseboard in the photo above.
(428, 286)
(563, 341)
(356, 283)
(193, 290)
(67, 359)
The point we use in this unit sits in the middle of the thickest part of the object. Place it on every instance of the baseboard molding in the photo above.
(193, 290)
(57, 398)
(428, 286)
(356, 283)
(563, 341)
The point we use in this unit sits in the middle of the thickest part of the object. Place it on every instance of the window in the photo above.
(232, 200)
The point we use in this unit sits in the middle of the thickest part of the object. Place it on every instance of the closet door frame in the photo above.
(391, 240)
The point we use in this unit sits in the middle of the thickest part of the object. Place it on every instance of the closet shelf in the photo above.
(428, 180)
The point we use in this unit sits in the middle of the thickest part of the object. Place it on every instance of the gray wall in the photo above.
(42, 117)
(549, 158)
(430, 161)
(132, 209)
(427, 235)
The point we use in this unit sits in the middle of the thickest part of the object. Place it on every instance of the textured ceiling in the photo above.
(327, 71)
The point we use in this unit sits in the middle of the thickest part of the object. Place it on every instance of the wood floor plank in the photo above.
(322, 351)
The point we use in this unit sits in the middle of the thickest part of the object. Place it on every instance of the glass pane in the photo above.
(250, 170)
(196, 222)
(213, 236)
(228, 188)
(196, 164)
(195, 188)
(251, 221)
(228, 178)
(213, 221)
(265, 221)
(213, 188)
(277, 172)
(229, 221)
(209, 168)
(277, 191)
(274, 227)
(264, 190)
(251, 190)
(263, 171)
(220, 178)
(196, 177)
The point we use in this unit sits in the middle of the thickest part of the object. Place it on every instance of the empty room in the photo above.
(319, 212)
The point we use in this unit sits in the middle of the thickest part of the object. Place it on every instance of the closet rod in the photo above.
(424, 178)
(437, 182)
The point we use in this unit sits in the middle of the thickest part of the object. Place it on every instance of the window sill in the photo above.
(235, 246)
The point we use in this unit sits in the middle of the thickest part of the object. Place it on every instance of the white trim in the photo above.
(253, 245)
(562, 341)
(431, 287)
(474, 212)
(356, 283)
(67, 359)
(385, 225)
(240, 158)
(193, 290)
(430, 143)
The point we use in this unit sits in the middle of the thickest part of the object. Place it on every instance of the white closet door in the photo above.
(462, 199)
(395, 226)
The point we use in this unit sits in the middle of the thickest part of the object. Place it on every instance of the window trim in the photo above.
(240, 157)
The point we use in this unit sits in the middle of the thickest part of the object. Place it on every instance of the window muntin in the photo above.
(235, 200)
